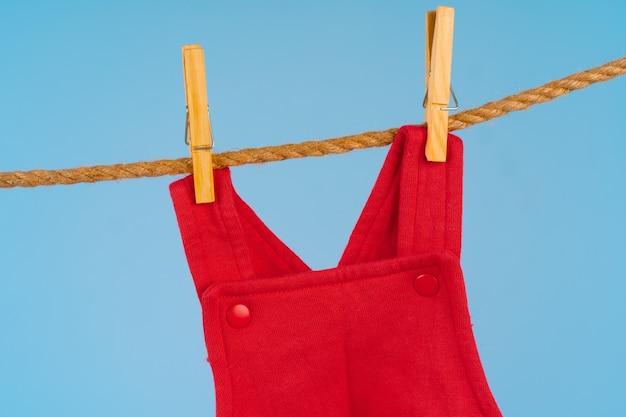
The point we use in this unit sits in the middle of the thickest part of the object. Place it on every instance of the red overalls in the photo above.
(385, 333)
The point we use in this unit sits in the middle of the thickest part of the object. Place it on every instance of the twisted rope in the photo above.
(488, 111)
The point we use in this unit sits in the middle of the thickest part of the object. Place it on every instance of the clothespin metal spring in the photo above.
(456, 102)
(187, 138)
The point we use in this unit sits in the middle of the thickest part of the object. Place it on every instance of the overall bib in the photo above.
(386, 333)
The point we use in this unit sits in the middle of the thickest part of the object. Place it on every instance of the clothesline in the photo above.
(488, 111)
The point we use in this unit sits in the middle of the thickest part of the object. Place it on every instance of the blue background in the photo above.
(98, 313)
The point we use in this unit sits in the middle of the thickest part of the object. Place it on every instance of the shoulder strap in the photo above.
(415, 205)
(225, 240)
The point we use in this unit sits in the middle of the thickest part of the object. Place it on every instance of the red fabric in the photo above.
(385, 333)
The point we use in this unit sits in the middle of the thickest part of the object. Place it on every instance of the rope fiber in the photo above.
(488, 111)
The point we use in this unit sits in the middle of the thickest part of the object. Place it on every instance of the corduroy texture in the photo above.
(363, 339)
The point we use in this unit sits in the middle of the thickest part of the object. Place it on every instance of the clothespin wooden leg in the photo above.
(199, 124)
(430, 33)
(439, 34)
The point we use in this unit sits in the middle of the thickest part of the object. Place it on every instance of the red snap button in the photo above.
(238, 316)
(426, 285)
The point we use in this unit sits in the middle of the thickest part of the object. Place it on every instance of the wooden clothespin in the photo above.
(198, 129)
(439, 33)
